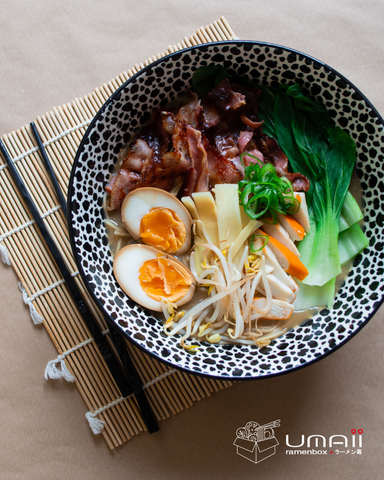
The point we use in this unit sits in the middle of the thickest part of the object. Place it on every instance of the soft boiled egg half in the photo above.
(149, 276)
(158, 218)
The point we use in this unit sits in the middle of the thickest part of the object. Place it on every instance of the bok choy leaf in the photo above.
(309, 295)
(350, 213)
(351, 242)
(326, 155)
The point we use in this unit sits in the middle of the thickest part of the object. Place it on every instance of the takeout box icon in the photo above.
(255, 442)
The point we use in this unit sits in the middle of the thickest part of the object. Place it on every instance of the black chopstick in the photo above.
(49, 168)
(134, 380)
(130, 371)
(126, 388)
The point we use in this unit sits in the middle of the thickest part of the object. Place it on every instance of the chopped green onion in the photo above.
(263, 193)
(252, 240)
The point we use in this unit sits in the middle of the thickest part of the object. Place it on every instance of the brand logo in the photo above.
(320, 445)
(255, 442)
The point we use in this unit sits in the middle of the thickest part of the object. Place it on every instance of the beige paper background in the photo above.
(54, 51)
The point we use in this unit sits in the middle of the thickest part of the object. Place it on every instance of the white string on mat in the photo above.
(48, 142)
(36, 317)
(4, 255)
(3, 249)
(97, 425)
(51, 370)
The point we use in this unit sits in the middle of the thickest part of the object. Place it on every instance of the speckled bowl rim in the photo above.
(110, 320)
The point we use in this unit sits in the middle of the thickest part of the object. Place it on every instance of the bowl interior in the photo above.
(130, 108)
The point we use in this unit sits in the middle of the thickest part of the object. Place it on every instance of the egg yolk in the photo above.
(160, 278)
(163, 229)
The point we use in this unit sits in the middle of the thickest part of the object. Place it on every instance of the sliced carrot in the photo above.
(278, 231)
(295, 267)
(298, 198)
(295, 225)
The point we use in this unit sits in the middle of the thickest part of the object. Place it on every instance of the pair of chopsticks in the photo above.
(126, 377)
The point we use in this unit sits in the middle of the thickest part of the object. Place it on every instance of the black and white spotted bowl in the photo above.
(129, 108)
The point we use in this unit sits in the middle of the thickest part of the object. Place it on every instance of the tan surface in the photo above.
(52, 52)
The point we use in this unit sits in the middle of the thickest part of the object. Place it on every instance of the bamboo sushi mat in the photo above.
(43, 289)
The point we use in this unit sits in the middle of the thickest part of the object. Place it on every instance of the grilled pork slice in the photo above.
(273, 154)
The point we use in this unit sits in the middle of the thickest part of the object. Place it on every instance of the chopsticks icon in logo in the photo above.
(255, 442)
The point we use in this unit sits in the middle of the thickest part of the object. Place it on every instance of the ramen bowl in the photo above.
(122, 116)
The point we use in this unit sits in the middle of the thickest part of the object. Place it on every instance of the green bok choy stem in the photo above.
(326, 155)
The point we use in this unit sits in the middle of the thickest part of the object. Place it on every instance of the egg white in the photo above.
(126, 266)
(139, 202)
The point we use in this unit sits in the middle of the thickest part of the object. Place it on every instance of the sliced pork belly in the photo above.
(198, 175)
(244, 138)
(190, 113)
(250, 123)
(221, 169)
(120, 185)
(200, 143)
(169, 122)
(251, 94)
(209, 116)
(147, 163)
(246, 144)
(224, 98)
(273, 154)
(138, 156)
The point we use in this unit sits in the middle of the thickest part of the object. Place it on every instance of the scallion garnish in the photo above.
(252, 241)
(263, 193)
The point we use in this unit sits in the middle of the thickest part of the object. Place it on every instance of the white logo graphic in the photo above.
(256, 443)
(338, 444)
